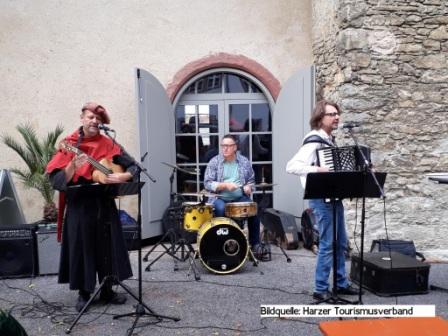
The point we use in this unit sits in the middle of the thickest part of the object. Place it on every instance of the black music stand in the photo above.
(339, 185)
(112, 191)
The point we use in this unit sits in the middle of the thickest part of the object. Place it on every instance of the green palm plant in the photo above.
(36, 154)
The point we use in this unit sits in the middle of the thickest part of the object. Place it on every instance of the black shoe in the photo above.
(112, 297)
(82, 301)
(321, 296)
(349, 290)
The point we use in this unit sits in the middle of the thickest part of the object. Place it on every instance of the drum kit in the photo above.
(223, 248)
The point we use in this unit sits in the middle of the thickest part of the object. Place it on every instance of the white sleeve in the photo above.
(302, 162)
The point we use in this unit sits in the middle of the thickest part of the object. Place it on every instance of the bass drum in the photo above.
(223, 247)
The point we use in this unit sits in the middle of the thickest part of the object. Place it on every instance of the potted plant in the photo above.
(36, 154)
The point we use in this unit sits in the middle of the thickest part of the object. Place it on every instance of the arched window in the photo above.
(213, 104)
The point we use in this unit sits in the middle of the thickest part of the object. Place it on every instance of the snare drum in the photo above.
(195, 214)
(223, 247)
(241, 209)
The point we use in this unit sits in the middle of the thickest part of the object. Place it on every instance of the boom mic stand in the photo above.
(366, 168)
(141, 308)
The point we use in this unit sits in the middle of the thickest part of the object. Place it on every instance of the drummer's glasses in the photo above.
(227, 146)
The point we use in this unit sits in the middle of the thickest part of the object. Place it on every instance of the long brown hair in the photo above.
(319, 113)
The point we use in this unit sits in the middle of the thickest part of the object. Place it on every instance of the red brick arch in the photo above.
(223, 60)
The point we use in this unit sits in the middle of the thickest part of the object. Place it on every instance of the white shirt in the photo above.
(305, 160)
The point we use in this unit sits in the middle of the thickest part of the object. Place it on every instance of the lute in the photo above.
(103, 167)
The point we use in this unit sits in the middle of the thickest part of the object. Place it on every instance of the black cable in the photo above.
(40, 308)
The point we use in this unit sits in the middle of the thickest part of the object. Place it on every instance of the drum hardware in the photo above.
(199, 194)
(264, 185)
(175, 167)
(178, 243)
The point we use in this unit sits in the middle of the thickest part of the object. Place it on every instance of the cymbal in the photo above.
(202, 193)
(180, 169)
(264, 185)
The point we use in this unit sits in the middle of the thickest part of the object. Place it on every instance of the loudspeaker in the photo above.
(17, 257)
(48, 249)
(283, 226)
(10, 210)
(390, 275)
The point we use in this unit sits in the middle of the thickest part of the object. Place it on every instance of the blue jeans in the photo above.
(323, 213)
(253, 222)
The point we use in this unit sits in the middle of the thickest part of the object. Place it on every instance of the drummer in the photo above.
(231, 175)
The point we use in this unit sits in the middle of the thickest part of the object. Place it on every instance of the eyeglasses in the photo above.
(332, 114)
(227, 146)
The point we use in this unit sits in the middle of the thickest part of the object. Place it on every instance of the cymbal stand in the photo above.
(174, 212)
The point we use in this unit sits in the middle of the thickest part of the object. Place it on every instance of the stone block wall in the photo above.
(389, 70)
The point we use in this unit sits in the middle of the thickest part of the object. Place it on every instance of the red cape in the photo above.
(98, 147)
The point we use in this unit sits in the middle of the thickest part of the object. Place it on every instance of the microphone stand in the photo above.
(367, 169)
(141, 309)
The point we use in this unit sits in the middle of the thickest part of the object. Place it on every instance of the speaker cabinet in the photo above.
(283, 226)
(17, 257)
(390, 275)
(48, 249)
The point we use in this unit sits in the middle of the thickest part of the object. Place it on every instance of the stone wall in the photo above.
(324, 31)
(389, 71)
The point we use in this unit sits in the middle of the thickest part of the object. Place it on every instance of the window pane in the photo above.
(261, 118)
(210, 84)
(243, 144)
(263, 172)
(186, 149)
(201, 177)
(255, 88)
(236, 84)
(190, 89)
(239, 117)
(263, 201)
(186, 119)
(210, 147)
(208, 119)
(261, 147)
(186, 182)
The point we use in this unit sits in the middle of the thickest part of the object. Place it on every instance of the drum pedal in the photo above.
(263, 252)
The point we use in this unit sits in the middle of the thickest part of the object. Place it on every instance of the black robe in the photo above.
(92, 238)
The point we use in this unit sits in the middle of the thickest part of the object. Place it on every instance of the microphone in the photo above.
(105, 128)
(349, 124)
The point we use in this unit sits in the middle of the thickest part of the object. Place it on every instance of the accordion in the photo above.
(345, 158)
